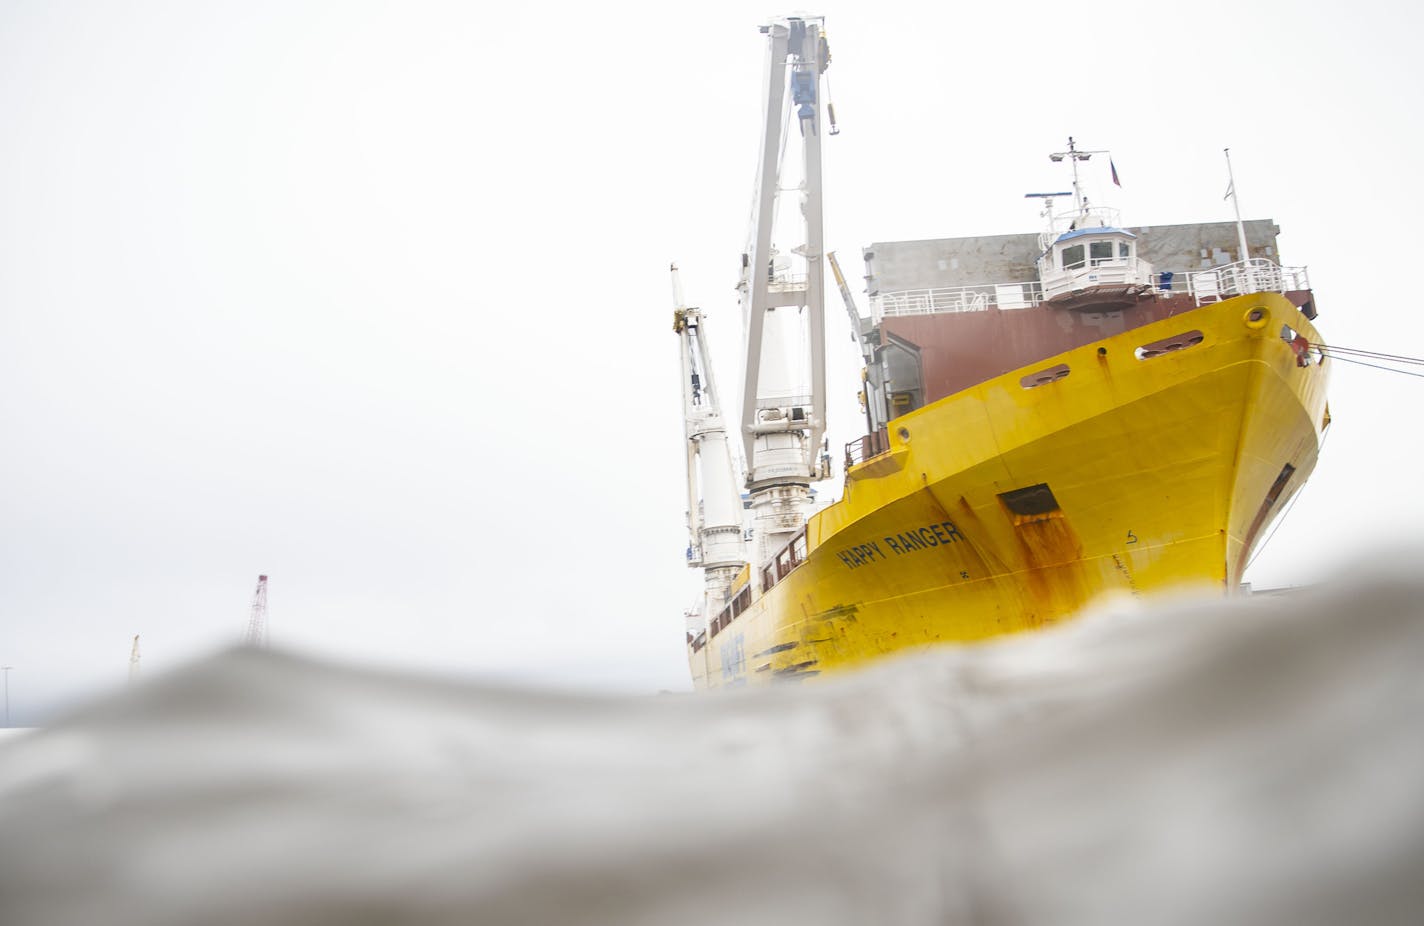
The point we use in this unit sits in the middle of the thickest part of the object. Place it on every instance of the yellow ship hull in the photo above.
(1013, 504)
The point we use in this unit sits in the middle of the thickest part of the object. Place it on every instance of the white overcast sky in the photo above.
(373, 297)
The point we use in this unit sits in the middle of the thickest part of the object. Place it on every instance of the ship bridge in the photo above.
(1087, 258)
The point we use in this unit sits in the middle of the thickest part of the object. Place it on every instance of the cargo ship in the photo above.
(1096, 409)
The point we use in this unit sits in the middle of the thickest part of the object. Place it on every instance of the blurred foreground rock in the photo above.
(1256, 761)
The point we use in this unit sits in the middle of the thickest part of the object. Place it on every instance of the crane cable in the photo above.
(1361, 357)
(1338, 353)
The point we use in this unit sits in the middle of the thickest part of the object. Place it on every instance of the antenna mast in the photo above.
(1236, 205)
(1074, 155)
(1047, 237)
(257, 618)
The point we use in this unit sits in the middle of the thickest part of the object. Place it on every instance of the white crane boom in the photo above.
(782, 293)
(714, 505)
(873, 389)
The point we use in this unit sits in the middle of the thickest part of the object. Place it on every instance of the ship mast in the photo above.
(714, 506)
(1236, 206)
(782, 291)
(1074, 154)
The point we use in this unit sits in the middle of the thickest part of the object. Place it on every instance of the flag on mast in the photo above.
(1113, 168)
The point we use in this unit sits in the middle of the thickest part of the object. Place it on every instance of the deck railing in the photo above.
(957, 299)
(1256, 275)
(863, 448)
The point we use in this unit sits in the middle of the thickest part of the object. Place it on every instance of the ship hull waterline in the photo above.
(1008, 507)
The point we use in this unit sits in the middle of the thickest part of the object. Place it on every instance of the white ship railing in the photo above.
(1256, 275)
(786, 282)
(1250, 276)
(957, 299)
(1089, 218)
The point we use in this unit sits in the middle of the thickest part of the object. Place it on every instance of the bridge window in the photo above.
(1123, 250)
(1073, 257)
(1100, 251)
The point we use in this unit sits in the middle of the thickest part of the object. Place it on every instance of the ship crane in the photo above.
(873, 388)
(782, 292)
(714, 505)
(257, 616)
